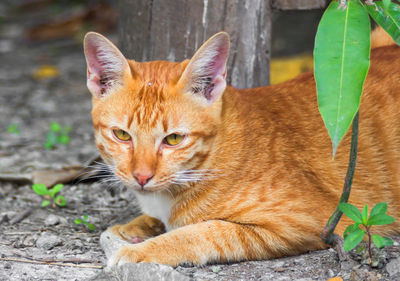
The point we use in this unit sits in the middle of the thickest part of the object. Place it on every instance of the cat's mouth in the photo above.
(151, 187)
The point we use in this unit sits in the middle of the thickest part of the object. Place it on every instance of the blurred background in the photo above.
(289, 26)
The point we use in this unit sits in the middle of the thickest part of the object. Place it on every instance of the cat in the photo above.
(227, 175)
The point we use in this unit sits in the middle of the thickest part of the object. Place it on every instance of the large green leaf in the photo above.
(351, 211)
(341, 62)
(388, 18)
(353, 239)
(379, 208)
(380, 219)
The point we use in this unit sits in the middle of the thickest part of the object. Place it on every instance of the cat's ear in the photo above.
(106, 66)
(205, 73)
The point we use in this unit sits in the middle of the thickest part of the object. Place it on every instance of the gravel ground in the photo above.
(46, 244)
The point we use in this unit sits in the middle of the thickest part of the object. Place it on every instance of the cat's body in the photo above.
(253, 177)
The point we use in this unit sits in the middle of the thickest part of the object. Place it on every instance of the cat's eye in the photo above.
(121, 135)
(173, 139)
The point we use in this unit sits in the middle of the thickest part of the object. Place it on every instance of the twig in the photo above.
(327, 234)
(59, 263)
(22, 216)
(48, 260)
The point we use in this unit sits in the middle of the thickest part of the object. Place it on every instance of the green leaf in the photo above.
(360, 249)
(380, 219)
(386, 4)
(91, 226)
(380, 241)
(388, 19)
(85, 218)
(78, 221)
(51, 139)
(63, 139)
(351, 228)
(341, 63)
(351, 211)
(57, 188)
(40, 189)
(55, 127)
(379, 208)
(45, 203)
(364, 215)
(353, 239)
(13, 129)
(60, 201)
(48, 145)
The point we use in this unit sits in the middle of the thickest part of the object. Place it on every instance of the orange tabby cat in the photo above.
(223, 174)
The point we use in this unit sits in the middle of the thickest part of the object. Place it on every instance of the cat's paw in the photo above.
(127, 254)
(128, 233)
(141, 253)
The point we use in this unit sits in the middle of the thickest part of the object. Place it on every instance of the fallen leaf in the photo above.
(45, 72)
(337, 278)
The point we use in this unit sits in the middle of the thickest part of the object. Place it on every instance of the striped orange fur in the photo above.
(254, 176)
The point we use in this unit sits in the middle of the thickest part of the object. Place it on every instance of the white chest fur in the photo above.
(157, 205)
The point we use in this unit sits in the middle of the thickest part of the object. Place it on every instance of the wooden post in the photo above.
(174, 29)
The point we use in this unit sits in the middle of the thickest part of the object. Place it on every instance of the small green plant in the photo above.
(13, 129)
(50, 195)
(354, 233)
(85, 222)
(57, 135)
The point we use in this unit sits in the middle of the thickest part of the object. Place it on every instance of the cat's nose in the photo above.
(142, 179)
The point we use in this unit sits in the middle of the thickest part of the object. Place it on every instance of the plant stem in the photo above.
(369, 246)
(327, 234)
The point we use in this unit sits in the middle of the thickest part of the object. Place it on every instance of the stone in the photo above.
(393, 267)
(278, 264)
(330, 273)
(51, 220)
(141, 272)
(48, 241)
(110, 242)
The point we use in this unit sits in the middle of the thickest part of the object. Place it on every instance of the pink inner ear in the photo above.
(94, 69)
(219, 62)
(104, 63)
(213, 72)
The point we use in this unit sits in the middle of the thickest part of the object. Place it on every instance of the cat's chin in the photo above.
(146, 190)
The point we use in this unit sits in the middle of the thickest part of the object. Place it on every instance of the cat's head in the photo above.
(155, 122)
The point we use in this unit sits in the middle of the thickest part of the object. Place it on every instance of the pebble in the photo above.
(142, 272)
(7, 265)
(279, 269)
(393, 267)
(278, 264)
(51, 220)
(48, 241)
(331, 273)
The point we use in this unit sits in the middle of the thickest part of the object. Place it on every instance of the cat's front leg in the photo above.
(138, 230)
(205, 242)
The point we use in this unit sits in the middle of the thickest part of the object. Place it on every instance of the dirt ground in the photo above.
(44, 243)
